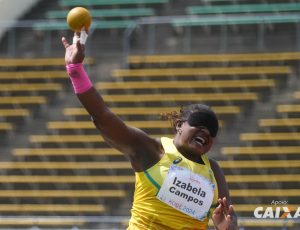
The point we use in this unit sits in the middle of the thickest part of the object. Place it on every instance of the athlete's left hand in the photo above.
(223, 215)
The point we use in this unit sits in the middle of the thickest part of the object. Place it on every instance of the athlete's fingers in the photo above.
(230, 209)
(226, 205)
(76, 38)
(218, 209)
(228, 219)
(65, 43)
(83, 36)
(80, 48)
(221, 202)
(225, 202)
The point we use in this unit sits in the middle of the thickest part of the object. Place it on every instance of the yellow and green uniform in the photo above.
(148, 212)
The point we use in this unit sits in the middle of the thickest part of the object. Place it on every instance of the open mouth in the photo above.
(200, 140)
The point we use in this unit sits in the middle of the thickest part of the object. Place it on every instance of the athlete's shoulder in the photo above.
(215, 166)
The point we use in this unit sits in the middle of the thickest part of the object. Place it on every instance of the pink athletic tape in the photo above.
(80, 80)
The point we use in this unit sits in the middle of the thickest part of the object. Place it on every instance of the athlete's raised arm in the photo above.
(142, 150)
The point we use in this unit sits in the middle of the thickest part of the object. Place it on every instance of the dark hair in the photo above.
(209, 118)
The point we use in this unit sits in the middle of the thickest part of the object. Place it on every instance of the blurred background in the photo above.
(147, 57)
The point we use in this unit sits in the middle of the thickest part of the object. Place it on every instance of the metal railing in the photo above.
(225, 23)
(153, 32)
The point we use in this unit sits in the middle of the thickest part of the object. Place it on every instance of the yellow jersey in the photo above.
(149, 212)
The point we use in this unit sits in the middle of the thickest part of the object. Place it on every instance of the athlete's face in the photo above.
(192, 140)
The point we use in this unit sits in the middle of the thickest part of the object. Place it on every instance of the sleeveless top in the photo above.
(152, 208)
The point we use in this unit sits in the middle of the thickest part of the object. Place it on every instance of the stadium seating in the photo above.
(14, 115)
(283, 124)
(56, 222)
(238, 84)
(263, 223)
(5, 127)
(126, 165)
(184, 72)
(32, 87)
(274, 145)
(235, 164)
(297, 95)
(57, 208)
(112, 2)
(244, 8)
(264, 192)
(62, 193)
(130, 179)
(61, 25)
(22, 101)
(107, 13)
(262, 179)
(261, 150)
(37, 62)
(189, 97)
(66, 169)
(60, 143)
(221, 110)
(65, 138)
(287, 136)
(33, 75)
(66, 135)
(72, 179)
(66, 152)
(70, 139)
(237, 20)
(209, 58)
(27, 86)
(108, 18)
(65, 165)
(288, 108)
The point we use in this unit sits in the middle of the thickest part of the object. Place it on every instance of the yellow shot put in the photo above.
(78, 18)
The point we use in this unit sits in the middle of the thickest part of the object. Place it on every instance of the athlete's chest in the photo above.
(161, 170)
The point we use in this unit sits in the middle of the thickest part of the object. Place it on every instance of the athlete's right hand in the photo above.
(75, 52)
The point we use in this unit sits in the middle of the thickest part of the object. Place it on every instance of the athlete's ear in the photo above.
(178, 124)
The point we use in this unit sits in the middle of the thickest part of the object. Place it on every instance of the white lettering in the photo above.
(256, 212)
(279, 202)
(268, 213)
(277, 212)
(297, 213)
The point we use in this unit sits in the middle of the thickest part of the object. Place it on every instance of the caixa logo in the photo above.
(277, 212)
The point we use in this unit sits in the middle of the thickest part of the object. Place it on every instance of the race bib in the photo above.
(187, 192)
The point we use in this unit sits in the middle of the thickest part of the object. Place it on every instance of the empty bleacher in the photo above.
(209, 58)
(109, 3)
(110, 17)
(5, 127)
(244, 8)
(237, 20)
(273, 148)
(260, 150)
(219, 71)
(56, 152)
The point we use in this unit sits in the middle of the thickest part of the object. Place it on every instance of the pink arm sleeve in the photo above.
(80, 80)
